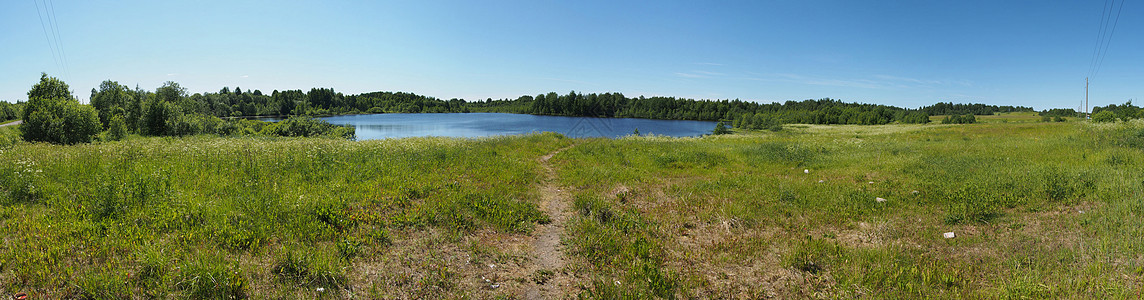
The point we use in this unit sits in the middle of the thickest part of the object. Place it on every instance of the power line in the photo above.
(54, 21)
(1099, 35)
(48, 37)
(1105, 52)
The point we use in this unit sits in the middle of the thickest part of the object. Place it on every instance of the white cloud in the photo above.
(689, 75)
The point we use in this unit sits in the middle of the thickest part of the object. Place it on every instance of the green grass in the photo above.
(1040, 210)
(213, 217)
(736, 216)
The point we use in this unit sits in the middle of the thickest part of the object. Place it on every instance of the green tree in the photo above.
(1100, 117)
(49, 87)
(53, 115)
(112, 99)
(117, 129)
(159, 113)
(721, 128)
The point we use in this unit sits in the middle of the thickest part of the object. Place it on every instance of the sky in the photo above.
(901, 53)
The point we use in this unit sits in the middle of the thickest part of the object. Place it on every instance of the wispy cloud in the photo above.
(873, 82)
(801, 79)
(708, 73)
(172, 74)
(245, 76)
(699, 74)
(924, 82)
(689, 75)
(568, 80)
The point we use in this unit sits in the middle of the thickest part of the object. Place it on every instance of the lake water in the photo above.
(381, 126)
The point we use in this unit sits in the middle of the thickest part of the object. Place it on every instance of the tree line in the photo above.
(52, 114)
(949, 108)
(1113, 112)
(743, 114)
(748, 114)
(171, 110)
(11, 111)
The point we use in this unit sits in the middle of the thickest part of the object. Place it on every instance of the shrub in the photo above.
(9, 111)
(959, 119)
(159, 113)
(307, 127)
(1104, 117)
(721, 128)
(59, 121)
(9, 136)
(117, 128)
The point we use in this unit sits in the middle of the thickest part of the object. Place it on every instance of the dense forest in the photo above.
(745, 114)
(948, 108)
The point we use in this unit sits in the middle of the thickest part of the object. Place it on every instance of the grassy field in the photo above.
(1039, 210)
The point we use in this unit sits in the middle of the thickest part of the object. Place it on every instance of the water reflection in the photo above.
(381, 126)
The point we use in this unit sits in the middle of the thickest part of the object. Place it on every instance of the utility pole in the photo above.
(1086, 98)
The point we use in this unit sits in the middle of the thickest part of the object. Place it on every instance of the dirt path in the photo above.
(12, 123)
(548, 278)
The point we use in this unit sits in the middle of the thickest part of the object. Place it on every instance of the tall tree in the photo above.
(112, 99)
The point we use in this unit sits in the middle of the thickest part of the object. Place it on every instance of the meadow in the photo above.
(1038, 209)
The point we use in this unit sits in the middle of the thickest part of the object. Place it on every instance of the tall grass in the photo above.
(209, 217)
(1040, 210)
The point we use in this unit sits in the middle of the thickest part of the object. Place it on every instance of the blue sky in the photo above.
(903, 53)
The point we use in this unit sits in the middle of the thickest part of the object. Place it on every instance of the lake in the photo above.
(382, 126)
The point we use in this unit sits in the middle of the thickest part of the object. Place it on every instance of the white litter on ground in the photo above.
(880, 199)
(806, 171)
(948, 235)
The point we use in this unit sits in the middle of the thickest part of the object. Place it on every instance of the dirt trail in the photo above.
(547, 255)
(12, 123)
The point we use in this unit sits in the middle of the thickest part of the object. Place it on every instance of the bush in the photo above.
(117, 128)
(59, 121)
(307, 127)
(10, 111)
(157, 117)
(721, 128)
(1104, 117)
(53, 115)
(916, 117)
(959, 119)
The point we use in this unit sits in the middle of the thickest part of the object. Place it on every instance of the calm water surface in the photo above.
(381, 126)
